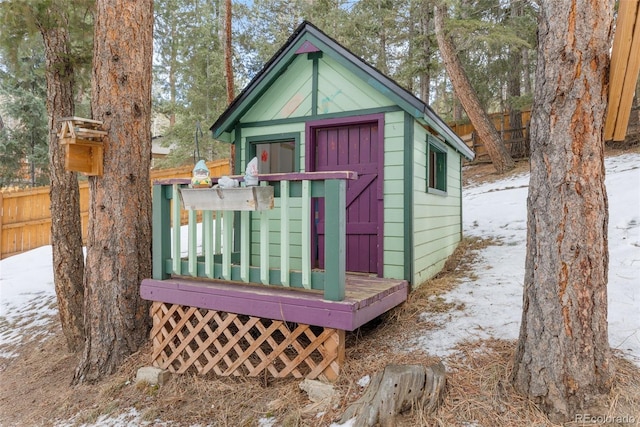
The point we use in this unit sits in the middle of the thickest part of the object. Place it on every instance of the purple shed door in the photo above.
(356, 148)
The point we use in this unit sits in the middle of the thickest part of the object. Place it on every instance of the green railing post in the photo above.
(176, 220)
(264, 245)
(335, 239)
(193, 243)
(207, 231)
(161, 242)
(217, 249)
(306, 234)
(284, 233)
(245, 245)
(227, 243)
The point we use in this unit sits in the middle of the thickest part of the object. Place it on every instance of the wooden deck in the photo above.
(365, 298)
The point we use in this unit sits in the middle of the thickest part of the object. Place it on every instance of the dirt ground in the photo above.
(36, 390)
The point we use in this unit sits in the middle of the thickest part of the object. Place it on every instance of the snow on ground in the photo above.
(131, 418)
(27, 298)
(492, 300)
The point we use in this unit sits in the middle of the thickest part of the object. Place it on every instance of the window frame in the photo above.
(439, 151)
(253, 141)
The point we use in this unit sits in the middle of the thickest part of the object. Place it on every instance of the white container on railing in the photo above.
(227, 199)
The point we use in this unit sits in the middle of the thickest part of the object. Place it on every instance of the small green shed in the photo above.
(359, 199)
(316, 107)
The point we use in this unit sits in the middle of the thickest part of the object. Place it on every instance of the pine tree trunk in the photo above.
(381, 58)
(563, 359)
(526, 76)
(228, 51)
(499, 155)
(119, 237)
(517, 149)
(228, 66)
(172, 76)
(425, 75)
(66, 224)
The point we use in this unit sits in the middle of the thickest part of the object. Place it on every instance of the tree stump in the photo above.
(396, 389)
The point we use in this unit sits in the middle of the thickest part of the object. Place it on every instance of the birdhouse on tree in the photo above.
(82, 141)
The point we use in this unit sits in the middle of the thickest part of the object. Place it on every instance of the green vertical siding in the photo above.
(394, 200)
(437, 220)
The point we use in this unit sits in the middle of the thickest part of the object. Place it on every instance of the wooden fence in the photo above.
(25, 216)
(515, 139)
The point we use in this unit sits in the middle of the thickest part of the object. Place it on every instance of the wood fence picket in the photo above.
(25, 216)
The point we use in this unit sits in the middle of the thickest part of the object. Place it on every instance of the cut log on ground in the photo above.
(397, 389)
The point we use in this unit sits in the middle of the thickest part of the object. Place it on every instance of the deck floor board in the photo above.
(365, 298)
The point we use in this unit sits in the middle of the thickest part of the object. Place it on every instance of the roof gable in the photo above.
(308, 38)
(288, 96)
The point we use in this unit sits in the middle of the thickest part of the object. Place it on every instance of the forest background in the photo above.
(495, 40)
(191, 88)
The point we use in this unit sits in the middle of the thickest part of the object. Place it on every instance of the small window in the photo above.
(276, 157)
(437, 166)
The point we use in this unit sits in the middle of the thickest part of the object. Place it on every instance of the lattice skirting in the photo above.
(201, 340)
